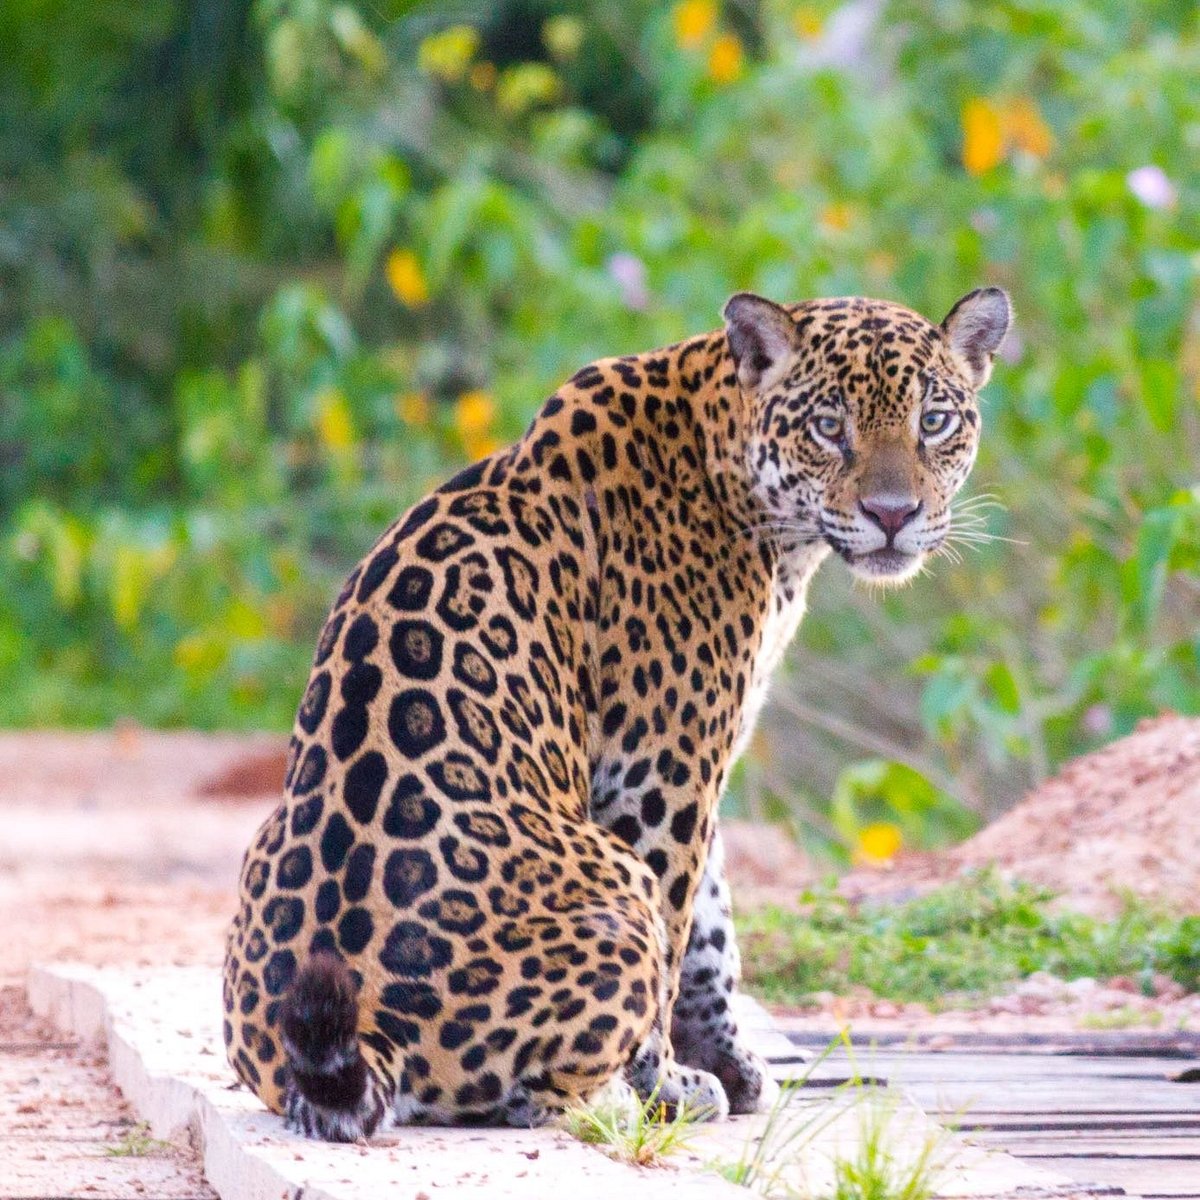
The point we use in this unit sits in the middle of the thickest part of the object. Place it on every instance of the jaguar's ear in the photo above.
(762, 338)
(974, 329)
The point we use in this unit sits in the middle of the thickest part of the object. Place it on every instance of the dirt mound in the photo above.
(252, 775)
(762, 862)
(1123, 819)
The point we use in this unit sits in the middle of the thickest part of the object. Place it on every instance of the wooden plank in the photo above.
(1018, 1096)
(1042, 1067)
(1119, 1143)
(1123, 1044)
(1024, 1122)
(1101, 1109)
(1174, 1178)
(947, 1102)
(1103, 1144)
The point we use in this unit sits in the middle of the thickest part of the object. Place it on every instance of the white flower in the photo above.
(629, 273)
(1152, 186)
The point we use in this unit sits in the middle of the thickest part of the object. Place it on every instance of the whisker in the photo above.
(981, 500)
(979, 535)
(780, 528)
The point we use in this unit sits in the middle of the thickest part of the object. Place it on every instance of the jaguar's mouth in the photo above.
(885, 565)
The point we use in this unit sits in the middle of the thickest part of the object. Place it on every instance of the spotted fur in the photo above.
(494, 883)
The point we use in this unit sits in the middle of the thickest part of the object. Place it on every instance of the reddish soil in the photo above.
(1120, 821)
(1123, 819)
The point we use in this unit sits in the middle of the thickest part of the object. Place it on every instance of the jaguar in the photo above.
(495, 883)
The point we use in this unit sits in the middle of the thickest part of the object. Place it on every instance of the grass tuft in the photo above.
(778, 1163)
(767, 1157)
(137, 1143)
(642, 1133)
(877, 1170)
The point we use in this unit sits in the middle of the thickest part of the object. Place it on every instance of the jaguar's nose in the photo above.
(891, 513)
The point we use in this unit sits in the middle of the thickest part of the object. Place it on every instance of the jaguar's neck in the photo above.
(701, 399)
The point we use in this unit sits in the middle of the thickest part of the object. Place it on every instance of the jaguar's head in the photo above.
(864, 420)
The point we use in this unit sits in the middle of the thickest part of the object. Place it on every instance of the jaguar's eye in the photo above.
(830, 428)
(937, 421)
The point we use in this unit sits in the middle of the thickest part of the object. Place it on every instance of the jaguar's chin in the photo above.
(886, 566)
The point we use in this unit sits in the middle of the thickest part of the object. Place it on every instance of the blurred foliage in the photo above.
(271, 268)
(957, 944)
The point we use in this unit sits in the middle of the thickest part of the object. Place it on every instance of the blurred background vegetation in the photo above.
(270, 269)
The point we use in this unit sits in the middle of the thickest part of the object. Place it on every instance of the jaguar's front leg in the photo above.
(634, 802)
(704, 1028)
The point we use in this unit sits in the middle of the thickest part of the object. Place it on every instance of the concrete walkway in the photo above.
(160, 1027)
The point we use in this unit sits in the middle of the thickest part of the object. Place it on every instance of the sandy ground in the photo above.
(106, 858)
(124, 847)
(64, 1129)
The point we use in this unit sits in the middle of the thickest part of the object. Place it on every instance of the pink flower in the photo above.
(1098, 720)
(1153, 187)
(629, 273)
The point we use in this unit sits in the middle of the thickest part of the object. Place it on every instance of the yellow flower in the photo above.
(807, 22)
(983, 136)
(693, 21)
(563, 36)
(481, 447)
(245, 623)
(725, 59)
(335, 426)
(525, 85)
(406, 278)
(879, 843)
(837, 217)
(446, 55)
(474, 413)
(1026, 128)
(414, 409)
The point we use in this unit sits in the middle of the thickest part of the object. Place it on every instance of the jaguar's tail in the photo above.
(319, 1029)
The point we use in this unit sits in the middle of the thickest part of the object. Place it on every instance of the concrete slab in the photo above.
(161, 1028)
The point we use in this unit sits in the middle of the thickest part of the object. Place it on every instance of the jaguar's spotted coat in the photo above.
(494, 882)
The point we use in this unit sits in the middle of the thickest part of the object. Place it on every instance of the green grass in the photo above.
(957, 944)
(643, 1133)
(879, 1170)
(883, 1163)
(136, 1142)
(770, 1153)
(1125, 1017)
